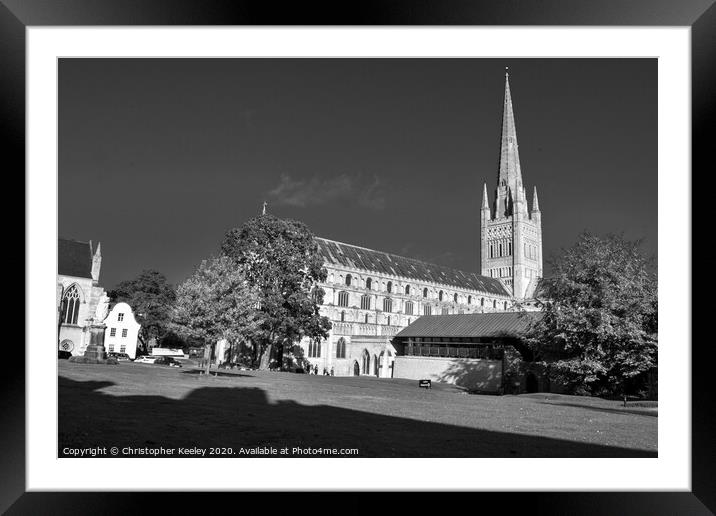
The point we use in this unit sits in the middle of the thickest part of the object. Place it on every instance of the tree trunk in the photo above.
(207, 358)
(265, 360)
(279, 356)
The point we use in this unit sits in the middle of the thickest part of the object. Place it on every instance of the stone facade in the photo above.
(78, 293)
(471, 373)
(368, 307)
(370, 296)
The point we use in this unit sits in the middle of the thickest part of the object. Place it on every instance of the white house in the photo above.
(122, 331)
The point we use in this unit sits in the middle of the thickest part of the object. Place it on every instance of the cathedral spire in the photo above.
(485, 203)
(535, 201)
(510, 173)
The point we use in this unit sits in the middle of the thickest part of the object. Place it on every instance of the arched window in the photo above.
(454, 298)
(366, 318)
(389, 287)
(348, 279)
(314, 349)
(505, 305)
(343, 316)
(469, 300)
(70, 307)
(407, 290)
(365, 302)
(482, 301)
(425, 292)
(343, 298)
(368, 284)
(388, 320)
(365, 362)
(409, 308)
(494, 303)
(427, 310)
(440, 295)
(341, 348)
(387, 305)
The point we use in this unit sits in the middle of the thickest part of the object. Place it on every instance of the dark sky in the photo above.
(158, 158)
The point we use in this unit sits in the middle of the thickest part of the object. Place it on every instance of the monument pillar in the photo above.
(95, 350)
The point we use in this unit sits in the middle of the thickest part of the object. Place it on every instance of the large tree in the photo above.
(151, 298)
(281, 260)
(598, 333)
(215, 303)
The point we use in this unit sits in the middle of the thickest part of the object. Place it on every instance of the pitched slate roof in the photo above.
(346, 255)
(497, 324)
(74, 258)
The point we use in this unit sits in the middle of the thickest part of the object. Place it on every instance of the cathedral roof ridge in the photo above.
(371, 260)
(74, 240)
(398, 256)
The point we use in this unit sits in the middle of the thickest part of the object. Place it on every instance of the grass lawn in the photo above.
(142, 405)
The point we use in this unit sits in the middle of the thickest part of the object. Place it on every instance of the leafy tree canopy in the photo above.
(599, 329)
(151, 299)
(281, 260)
(215, 303)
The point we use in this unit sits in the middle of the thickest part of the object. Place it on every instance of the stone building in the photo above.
(370, 296)
(78, 292)
(511, 234)
(483, 352)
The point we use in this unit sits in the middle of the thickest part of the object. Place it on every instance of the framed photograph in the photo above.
(418, 250)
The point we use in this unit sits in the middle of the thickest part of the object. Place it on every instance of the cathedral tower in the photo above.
(511, 234)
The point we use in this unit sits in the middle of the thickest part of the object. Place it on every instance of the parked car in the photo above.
(122, 357)
(145, 359)
(167, 361)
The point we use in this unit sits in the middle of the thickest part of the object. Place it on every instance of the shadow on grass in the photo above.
(639, 412)
(243, 417)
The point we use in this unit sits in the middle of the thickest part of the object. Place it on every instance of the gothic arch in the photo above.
(72, 298)
(365, 362)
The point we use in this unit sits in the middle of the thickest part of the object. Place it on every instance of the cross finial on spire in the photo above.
(507, 71)
(263, 212)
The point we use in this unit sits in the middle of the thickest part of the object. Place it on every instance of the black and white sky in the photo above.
(158, 158)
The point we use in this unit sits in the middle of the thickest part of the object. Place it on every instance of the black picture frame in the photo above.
(700, 15)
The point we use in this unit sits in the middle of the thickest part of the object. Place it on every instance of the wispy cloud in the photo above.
(317, 191)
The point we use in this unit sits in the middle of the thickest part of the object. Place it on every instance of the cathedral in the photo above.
(370, 295)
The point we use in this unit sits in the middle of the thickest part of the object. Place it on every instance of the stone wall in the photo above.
(473, 374)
